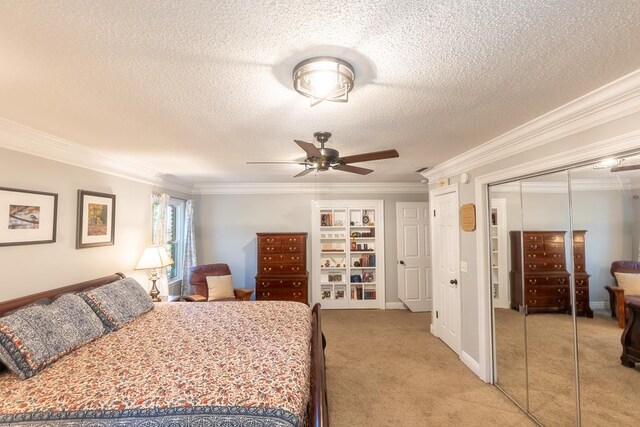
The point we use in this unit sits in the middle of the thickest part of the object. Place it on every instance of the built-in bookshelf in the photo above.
(348, 253)
(499, 254)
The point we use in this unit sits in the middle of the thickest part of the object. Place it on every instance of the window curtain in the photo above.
(160, 206)
(189, 259)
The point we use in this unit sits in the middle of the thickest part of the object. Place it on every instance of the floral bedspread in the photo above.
(226, 363)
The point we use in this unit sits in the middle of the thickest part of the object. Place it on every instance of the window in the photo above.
(174, 237)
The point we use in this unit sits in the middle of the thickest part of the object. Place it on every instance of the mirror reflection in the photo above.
(566, 308)
(605, 203)
(509, 345)
(545, 247)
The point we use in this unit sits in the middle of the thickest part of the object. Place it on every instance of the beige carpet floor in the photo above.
(609, 391)
(384, 368)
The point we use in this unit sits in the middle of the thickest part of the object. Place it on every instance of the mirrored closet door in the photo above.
(556, 345)
(510, 358)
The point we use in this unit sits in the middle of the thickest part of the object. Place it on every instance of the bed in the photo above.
(226, 363)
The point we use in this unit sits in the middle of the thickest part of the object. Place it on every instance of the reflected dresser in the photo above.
(539, 259)
(282, 267)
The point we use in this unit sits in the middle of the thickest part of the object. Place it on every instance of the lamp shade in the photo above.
(154, 257)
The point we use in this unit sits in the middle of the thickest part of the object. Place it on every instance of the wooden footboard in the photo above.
(318, 409)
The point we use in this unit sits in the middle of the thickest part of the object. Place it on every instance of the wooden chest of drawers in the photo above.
(282, 267)
(539, 260)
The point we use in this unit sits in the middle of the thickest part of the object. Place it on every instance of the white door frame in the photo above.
(592, 152)
(437, 298)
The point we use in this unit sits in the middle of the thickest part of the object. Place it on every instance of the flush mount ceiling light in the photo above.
(607, 163)
(324, 78)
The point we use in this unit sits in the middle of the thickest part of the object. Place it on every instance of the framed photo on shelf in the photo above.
(335, 277)
(96, 219)
(27, 217)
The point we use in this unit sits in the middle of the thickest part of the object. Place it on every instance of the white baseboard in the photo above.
(471, 363)
(395, 306)
(432, 329)
(599, 305)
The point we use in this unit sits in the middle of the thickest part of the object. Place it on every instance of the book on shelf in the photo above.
(326, 219)
(367, 260)
(356, 292)
(369, 294)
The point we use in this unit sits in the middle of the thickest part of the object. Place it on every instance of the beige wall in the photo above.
(226, 227)
(28, 269)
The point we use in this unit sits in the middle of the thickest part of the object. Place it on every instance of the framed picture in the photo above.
(27, 217)
(96, 219)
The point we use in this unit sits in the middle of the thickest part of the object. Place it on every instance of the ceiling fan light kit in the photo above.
(324, 78)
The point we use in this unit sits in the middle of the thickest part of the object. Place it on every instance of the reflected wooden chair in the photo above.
(200, 290)
(616, 293)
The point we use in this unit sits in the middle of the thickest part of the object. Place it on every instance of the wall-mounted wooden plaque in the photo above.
(468, 217)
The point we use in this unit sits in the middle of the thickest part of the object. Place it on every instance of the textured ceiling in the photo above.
(196, 89)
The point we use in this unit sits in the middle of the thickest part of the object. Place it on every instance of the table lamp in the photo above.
(154, 257)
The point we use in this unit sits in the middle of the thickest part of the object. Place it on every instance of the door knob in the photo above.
(453, 281)
(402, 262)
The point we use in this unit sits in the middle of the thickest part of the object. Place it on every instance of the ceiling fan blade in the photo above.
(366, 157)
(625, 168)
(304, 172)
(353, 169)
(284, 162)
(310, 149)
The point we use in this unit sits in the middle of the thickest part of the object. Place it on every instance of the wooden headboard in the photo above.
(22, 301)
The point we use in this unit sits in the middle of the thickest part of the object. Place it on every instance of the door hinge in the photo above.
(434, 213)
(436, 314)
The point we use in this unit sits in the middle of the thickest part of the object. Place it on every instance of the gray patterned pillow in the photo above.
(36, 336)
(119, 302)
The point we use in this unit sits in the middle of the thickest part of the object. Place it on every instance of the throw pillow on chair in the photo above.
(220, 288)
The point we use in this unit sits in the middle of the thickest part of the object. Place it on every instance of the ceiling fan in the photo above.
(322, 159)
(625, 168)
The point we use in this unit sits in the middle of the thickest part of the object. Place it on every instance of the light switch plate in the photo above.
(463, 266)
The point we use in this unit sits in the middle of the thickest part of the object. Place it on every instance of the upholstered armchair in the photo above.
(200, 289)
(616, 293)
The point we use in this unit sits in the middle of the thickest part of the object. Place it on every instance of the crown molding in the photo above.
(17, 137)
(607, 103)
(310, 188)
(617, 146)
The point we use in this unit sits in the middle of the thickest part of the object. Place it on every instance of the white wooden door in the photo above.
(446, 263)
(414, 257)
